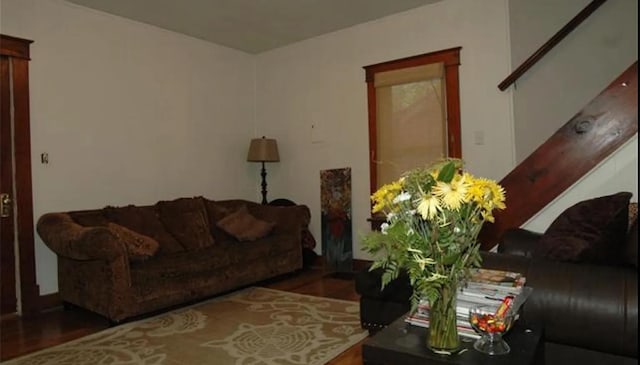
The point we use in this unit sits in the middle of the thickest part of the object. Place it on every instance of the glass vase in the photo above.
(443, 331)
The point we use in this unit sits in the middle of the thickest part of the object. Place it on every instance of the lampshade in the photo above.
(263, 150)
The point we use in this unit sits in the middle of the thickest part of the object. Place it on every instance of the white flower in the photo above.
(429, 206)
(435, 277)
(404, 196)
(384, 227)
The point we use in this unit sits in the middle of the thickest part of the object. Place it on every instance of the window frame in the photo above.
(450, 58)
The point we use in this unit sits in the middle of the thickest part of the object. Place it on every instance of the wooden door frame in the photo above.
(17, 49)
(7, 234)
(450, 58)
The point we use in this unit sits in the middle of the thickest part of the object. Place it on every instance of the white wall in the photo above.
(321, 82)
(129, 113)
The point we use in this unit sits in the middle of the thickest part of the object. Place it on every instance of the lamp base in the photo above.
(263, 173)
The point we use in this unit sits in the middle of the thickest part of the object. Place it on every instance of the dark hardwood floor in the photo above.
(22, 336)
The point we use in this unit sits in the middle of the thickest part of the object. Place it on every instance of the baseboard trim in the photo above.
(50, 301)
(359, 265)
(356, 264)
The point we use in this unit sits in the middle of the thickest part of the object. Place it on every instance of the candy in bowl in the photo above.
(491, 324)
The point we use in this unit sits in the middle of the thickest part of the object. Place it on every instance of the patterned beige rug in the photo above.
(250, 327)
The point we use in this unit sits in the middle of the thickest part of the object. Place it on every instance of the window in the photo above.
(414, 113)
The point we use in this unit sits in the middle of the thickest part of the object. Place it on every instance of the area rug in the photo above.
(250, 327)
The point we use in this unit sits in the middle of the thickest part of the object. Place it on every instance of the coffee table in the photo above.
(404, 344)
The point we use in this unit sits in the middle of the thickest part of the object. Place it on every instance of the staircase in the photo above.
(596, 131)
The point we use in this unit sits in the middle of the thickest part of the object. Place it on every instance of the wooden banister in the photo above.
(537, 55)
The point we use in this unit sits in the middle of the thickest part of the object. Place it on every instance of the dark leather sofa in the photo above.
(589, 312)
(588, 309)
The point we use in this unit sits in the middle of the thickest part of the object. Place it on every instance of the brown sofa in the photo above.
(126, 261)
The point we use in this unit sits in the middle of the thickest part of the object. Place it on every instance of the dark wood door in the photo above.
(17, 245)
(7, 254)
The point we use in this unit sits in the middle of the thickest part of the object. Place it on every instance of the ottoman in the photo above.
(378, 308)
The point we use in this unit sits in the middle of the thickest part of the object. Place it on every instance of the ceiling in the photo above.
(253, 26)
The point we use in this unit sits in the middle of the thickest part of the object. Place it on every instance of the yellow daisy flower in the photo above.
(452, 194)
(385, 195)
(429, 206)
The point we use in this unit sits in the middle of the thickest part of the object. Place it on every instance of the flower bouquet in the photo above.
(433, 217)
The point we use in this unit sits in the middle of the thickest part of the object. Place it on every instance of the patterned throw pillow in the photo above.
(244, 226)
(633, 213)
(593, 230)
(139, 247)
(144, 220)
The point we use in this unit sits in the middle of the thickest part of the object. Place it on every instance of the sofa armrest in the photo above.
(518, 241)
(69, 239)
(585, 305)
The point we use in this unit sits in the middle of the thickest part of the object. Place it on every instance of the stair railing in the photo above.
(537, 55)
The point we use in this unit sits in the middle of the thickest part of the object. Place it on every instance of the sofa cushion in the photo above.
(593, 231)
(186, 219)
(630, 249)
(139, 247)
(216, 212)
(89, 218)
(244, 226)
(144, 220)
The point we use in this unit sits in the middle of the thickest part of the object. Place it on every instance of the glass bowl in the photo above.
(491, 327)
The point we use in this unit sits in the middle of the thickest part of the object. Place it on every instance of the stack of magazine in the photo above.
(485, 286)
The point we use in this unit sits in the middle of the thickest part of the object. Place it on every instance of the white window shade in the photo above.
(411, 120)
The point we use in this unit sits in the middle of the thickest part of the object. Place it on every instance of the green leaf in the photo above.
(447, 172)
(451, 258)
(375, 265)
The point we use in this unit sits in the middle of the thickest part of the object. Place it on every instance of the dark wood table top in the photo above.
(404, 344)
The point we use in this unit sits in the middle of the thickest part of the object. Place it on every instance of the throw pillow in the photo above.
(186, 219)
(217, 210)
(633, 213)
(244, 226)
(144, 220)
(139, 247)
(593, 231)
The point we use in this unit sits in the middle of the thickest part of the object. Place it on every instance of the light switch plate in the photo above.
(316, 133)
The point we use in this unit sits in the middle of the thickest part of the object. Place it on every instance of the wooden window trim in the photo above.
(451, 60)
